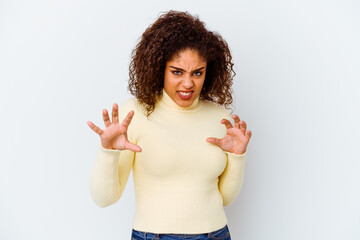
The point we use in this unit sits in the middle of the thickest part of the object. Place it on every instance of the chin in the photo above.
(181, 104)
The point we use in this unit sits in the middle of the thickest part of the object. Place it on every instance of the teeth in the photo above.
(185, 93)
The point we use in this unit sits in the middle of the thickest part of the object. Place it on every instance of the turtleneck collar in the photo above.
(166, 101)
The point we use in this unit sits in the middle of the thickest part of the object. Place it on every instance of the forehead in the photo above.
(187, 56)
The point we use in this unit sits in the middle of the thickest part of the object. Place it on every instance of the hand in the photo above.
(115, 134)
(236, 138)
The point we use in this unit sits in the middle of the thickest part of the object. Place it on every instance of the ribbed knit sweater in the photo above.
(182, 182)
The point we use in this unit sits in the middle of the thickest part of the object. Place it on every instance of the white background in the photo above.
(297, 64)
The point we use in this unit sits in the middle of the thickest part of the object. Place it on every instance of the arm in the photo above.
(112, 168)
(110, 175)
(231, 180)
(234, 145)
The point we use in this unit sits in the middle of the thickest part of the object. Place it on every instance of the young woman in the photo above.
(175, 135)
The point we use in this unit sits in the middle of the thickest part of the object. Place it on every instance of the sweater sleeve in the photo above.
(231, 180)
(111, 172)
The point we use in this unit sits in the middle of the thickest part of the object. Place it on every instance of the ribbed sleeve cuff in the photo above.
(237, 156)
(106, 162)
(108, 150)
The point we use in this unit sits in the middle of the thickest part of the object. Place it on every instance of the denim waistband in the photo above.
(157, 235)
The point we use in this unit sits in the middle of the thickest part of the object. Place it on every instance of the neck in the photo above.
(166, 101)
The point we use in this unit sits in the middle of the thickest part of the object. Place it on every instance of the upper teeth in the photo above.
(185, 93)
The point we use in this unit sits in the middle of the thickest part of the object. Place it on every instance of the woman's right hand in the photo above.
(114, 136)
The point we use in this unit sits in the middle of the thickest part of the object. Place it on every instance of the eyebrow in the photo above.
(184, 70)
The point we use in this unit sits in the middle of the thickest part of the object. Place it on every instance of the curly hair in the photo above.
(171, 33)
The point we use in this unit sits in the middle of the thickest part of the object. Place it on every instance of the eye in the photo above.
(197, 73)
(176, 72)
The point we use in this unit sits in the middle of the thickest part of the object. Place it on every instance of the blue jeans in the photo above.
(221, 234)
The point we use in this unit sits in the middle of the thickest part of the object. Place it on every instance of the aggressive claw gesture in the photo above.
(236, 138)
(114, 136)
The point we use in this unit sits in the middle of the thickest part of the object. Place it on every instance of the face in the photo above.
(184, 77)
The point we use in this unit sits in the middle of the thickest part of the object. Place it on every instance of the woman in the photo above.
(186, 164)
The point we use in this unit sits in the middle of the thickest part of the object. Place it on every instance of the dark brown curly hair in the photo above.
(171, 33)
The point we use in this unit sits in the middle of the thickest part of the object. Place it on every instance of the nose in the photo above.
(188, 82)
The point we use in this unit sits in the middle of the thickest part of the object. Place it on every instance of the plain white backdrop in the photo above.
(297, 65)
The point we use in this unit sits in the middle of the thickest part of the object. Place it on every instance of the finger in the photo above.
(213, 140)
(227, 123)
(115, 113)
(243, 126)
(236, 121)
(95, 128)
(106, 118)
(249, 134)
(128, 118)
(133, 147)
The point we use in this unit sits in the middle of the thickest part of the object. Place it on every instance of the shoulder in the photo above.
(131, 104)
(215, 109)
(128, 103)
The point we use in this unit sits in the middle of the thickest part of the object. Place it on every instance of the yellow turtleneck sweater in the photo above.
(181, 181)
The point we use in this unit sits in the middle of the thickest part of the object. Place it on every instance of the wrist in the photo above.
(239, 151)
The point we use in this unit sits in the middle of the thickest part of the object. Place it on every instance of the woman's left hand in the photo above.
(236, 138)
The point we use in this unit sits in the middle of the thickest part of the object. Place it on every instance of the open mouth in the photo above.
(185, 95)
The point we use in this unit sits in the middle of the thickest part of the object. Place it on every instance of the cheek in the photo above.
(202, 80)
(169, 80)
(166, 79)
